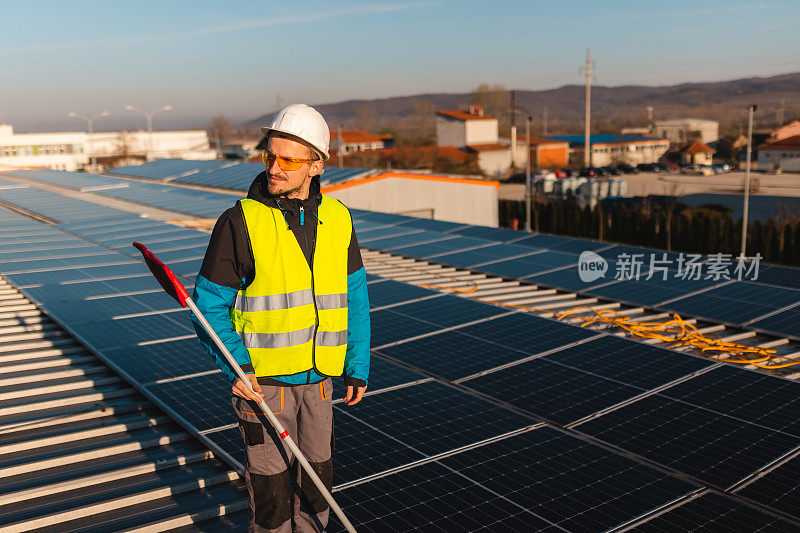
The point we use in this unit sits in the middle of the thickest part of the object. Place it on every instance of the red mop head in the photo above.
(164, 275)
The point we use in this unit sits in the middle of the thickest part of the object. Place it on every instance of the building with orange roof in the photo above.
(545, 153)
(696, 153)
(359, 141)
(780, 155)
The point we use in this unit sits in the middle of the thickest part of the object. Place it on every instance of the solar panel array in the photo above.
(477, 417)
(770, 302)
(222, 174)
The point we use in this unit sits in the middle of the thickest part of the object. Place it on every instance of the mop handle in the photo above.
(175, 288)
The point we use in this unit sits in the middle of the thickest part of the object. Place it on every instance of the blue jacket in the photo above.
(229, 266)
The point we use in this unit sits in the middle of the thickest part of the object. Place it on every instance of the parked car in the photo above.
(628, 169)
(662, 167)
(561, 173)
(697, 170)
(614, 171)
(588, 172)
(718, 168)
(540, 174)
(647, 167)
(602, 172)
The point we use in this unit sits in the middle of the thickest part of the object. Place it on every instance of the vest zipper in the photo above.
(314, 297)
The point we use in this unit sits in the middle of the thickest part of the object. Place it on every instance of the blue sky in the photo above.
(209, 58)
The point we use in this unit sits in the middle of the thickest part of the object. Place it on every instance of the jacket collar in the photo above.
(258, 191)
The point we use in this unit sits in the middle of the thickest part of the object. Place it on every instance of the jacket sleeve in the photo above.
(227, 266)
(356, 359)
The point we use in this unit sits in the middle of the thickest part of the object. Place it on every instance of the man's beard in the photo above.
(280, 187)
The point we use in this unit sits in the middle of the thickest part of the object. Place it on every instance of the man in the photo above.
(283, 285)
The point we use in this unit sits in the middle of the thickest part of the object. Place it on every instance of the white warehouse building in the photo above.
(73, 150)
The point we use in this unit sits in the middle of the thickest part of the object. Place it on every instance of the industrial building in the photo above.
(358, 141)
(73, 150)
(682, 130)
(782, 155)
(609, 149)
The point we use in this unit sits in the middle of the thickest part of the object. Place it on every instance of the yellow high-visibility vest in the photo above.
(293, 318)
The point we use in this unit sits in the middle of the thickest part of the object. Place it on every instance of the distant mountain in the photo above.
(612, 107)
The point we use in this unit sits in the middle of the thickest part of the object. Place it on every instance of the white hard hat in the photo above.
(305, 123)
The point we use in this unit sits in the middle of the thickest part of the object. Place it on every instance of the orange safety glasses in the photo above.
(286, 163)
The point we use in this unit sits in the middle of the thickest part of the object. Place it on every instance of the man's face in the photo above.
(291, 183)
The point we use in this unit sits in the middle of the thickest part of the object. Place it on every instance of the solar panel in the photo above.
(576, 485)
(204, 401)
(785, 322)
(522, 267)
(633, 362)
(383, 374)
(485, 254)
(388, 327)
(736, 302)
(717, 448)
(551, 391)
(777, 275)
(105, 334)
(433, 418)
(492, 234)
(424, 251)
(448, 311)
(769, 401)
(713, 512)
(527, 333)
(652, 291)
(163, 360)
(539, 480)
(387, 243)
(387, 292)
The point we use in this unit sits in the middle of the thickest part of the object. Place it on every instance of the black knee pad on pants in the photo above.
(311, 499)
(273, 499)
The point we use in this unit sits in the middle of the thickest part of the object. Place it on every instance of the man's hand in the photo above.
(240, 389)
(349, 399)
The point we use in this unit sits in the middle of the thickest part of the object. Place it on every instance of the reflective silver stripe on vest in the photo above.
(332, 301)
(250, 304)
(276, 340)
(331, 338)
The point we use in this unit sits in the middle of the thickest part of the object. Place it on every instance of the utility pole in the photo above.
(149, 116)
(750, 110)
(341, 147)
(528, 174)
(219, 146)
(587, 148)
(650, 124)
(513, 129)
(90, 126)
(544, 122)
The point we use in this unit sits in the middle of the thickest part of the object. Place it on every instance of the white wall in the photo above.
(482, 131)
(676, 130)
(495, 162)
(448, 200)
(786, 159)
(72, 150)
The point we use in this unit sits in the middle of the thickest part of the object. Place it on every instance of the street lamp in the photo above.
(90, 126)
(750, 109)
(149, 117)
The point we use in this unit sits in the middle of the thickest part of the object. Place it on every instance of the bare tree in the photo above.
(221, 125)
(495, 101)
(788, 214)
(366, 118)
(424, 117)
(669, 208)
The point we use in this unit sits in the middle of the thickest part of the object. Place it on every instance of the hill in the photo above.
(612, 107)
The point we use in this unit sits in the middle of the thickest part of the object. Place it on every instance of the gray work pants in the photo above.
(283, 499)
